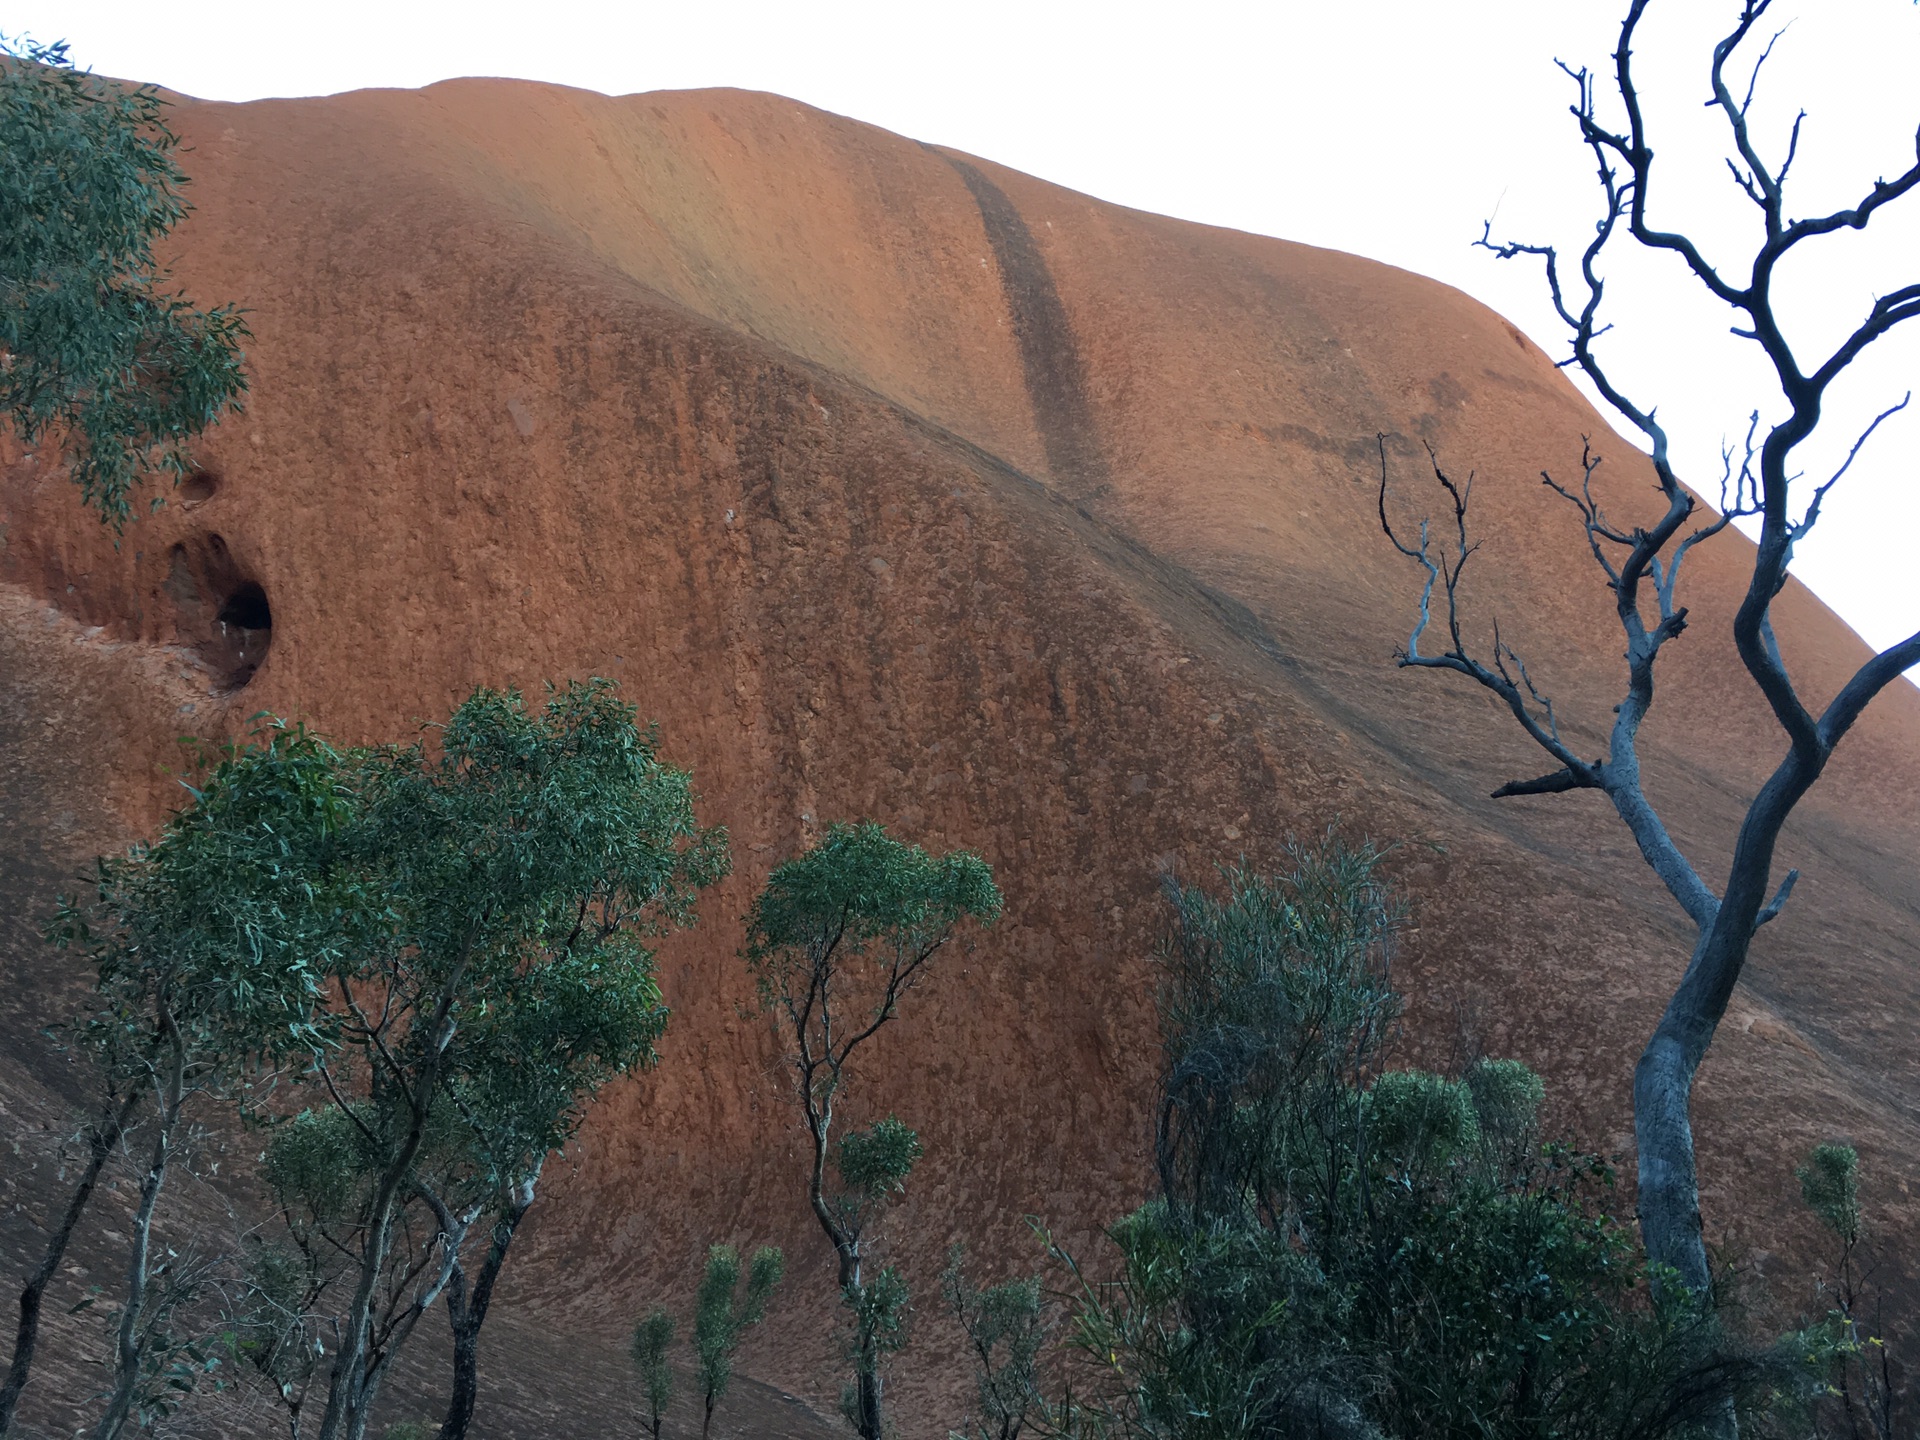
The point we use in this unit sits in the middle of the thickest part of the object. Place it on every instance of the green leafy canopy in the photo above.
(859, 887)
(874, 1163)
(95, 350)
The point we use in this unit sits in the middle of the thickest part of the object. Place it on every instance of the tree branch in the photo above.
(1557, 783)
(1775, 905)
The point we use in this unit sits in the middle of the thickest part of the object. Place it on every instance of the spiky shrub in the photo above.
(1855, 1392)
(1007, 1327)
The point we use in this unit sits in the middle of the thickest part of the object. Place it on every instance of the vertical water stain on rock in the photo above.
(1056, 378)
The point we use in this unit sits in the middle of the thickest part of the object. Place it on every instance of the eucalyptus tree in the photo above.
(652, 1339)
(837, 938)
(723, 1313)
(523, 861)
(1641, 560)
(101, 354)
(208, 949)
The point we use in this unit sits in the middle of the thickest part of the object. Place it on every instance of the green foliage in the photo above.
(230, 921)
(1342, 1249)
(95, 350)
(1418, 1122)
(874, 1163)
(522, 865)
(1830, 1184)
(723, 1315)
(1006, 1326)
(317, 1165)
(1506, 1099)
(652, 1338)
(1275, 995)
(861, 890)
(880, 1311)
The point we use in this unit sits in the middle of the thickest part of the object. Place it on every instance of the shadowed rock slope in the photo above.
(897, 484)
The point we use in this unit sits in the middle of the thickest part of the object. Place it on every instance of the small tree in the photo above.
(1007, 1326)
(1641, 559)
(652, 1338)
(723, 1315)
(208, 948)
(836, 939)
(1862, 1396)
(96, 351)
(521, 865)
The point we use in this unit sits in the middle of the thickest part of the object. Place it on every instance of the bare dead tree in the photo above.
(1642, 565)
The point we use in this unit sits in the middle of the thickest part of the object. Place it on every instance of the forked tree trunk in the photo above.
(466, 1313)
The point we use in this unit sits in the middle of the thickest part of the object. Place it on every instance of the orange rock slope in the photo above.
(897, 484)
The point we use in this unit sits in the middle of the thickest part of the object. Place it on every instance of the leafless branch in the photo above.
(1807, 521)
(1780, 896)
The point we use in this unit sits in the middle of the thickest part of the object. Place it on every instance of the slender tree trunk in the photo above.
(103, 1136)
(871, 1424)
(866, 1366)
(350, 1382)
(378, 1355)
(466, 1314)
(127, 1338)
(127, 1345)
(868, 1418)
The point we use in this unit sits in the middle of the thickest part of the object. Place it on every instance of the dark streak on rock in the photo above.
(1055, 377)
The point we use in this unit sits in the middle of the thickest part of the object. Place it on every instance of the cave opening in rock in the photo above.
(243, 629)
(247, 608)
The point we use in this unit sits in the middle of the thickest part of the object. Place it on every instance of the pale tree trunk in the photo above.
(128, 1341)
(353, 1385)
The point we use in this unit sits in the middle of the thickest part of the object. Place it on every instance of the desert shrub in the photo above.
(1007, 1326)
(1340, 1248)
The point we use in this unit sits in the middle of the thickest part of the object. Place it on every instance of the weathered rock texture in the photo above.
(897, 484)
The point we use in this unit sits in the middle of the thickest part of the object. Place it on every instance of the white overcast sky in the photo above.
(1389, 128)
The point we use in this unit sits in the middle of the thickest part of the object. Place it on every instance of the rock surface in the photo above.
(896, 484)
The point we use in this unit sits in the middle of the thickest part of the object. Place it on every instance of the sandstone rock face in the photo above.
(896, 484)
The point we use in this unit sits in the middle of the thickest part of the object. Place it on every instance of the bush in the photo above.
(1340, 1249)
